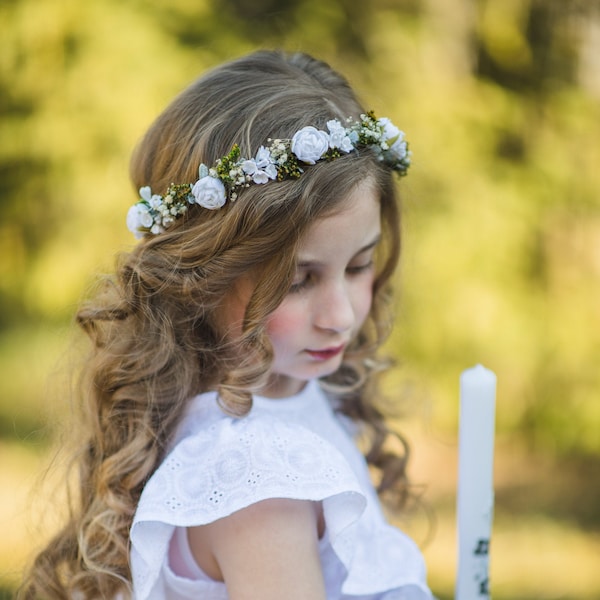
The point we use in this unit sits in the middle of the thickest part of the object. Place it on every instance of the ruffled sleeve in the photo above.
(234, 463)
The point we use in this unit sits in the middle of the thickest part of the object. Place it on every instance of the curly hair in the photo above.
(154, 324)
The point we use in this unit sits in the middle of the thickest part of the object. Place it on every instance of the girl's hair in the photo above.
(156, 327)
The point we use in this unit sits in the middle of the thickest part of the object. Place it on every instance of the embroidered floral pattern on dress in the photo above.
(242, 464)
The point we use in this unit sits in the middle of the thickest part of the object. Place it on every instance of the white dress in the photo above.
(293, 447)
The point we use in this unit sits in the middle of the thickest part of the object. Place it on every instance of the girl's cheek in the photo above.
(285, 321)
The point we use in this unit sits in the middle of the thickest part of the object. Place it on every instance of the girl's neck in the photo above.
(280, 386)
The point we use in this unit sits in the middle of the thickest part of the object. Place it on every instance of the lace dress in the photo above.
(294, 447)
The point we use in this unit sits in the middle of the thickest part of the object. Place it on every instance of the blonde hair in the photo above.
(154, 325)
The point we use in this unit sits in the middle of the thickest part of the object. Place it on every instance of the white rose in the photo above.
(346, 145)
(209, 192)
(389, 129)
(393, 137)
(399, 149)
(309, 144)
(144, 216)
(138, 218)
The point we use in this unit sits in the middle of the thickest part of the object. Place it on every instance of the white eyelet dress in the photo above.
(293, 447)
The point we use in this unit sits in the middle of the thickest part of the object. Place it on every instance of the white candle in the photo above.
(475, 497)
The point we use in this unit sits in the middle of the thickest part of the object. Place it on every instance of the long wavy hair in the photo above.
(154, 324)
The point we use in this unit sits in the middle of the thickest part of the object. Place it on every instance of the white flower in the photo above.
(353, 137)
(139, 218)
(393, 139)
(399, 149)
(209, 192)
(338, 136)
(237, 175)
(389, 129)
(153, 200)
(309, 144)
(271, 171)
(258, 175)
(262, 168)
(249, 166)
(263, 158)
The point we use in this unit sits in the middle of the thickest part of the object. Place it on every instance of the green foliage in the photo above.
(502, 226)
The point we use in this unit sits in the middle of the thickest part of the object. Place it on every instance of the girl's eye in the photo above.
(361, 268)
(304, 280)
(300, 283)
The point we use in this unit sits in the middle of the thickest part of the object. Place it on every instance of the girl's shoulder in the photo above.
(220, 464)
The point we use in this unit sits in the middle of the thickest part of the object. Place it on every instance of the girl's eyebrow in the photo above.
(303, 264)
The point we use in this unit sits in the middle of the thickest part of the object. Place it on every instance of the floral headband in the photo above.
(281, 159)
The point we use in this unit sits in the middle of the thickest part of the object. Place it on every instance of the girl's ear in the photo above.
(231, 315)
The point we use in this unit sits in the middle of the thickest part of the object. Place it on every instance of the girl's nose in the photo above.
(334, 310)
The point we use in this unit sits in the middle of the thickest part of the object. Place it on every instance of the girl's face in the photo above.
(330, 296)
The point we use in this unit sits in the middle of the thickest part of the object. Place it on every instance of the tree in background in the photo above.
(499, 98)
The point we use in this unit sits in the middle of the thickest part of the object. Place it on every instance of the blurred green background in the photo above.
(500, 100)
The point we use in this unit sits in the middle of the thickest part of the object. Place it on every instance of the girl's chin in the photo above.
(283, 386)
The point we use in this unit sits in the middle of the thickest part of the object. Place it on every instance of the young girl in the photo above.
(234, 355)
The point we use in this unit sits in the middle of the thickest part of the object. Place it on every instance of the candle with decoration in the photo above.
(475, 496)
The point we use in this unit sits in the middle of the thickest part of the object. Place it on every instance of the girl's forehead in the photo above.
(355, 226)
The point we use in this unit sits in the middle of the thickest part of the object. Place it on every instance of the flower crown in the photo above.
(279, 160)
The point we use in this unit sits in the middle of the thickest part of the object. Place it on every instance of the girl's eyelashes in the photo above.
(300, 284)
(304, 279)
(357, 269)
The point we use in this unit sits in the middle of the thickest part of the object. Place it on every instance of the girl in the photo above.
(234, 353)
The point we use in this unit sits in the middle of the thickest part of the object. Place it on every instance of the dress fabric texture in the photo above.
(295, 447)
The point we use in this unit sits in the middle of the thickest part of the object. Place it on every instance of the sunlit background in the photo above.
(500, 100)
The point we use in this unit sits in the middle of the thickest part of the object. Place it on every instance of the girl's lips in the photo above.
(326, 353)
